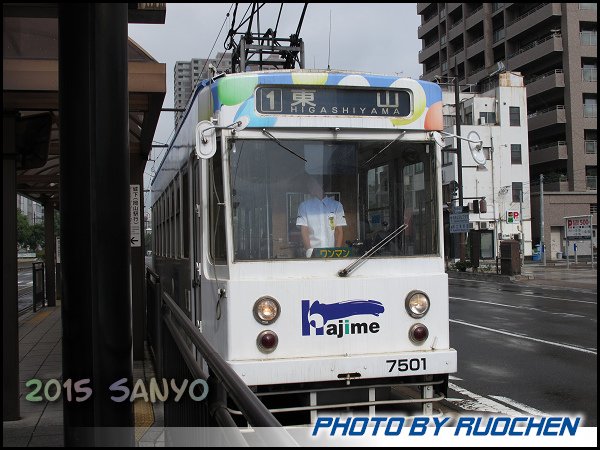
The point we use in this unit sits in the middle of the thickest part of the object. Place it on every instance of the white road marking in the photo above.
(522, 336)
(452, 377)
(557, 298)
(480, 403)
(517, 307)
(521, 406)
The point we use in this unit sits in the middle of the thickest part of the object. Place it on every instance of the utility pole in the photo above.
(461, 242)
(542, 249)
(522, 237)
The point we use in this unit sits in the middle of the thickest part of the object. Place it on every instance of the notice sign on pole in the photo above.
(579, 227)
(135, 216)
(459, 223)
(512, 217)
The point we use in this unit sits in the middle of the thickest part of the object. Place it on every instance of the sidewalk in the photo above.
(554, 274)
(40, 356)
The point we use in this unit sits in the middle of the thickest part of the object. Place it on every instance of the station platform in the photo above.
(40, 357)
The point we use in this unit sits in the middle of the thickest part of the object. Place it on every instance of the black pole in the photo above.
(10, 315)
(94, 201)
(49, 251)
(461, 245)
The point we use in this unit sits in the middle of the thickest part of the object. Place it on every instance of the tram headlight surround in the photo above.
(266, 310)
(267, 341)
(417, 304)
(418, 333)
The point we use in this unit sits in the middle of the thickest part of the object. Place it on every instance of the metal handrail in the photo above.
(545, 110)
(535, 44)
(544, 75)
(551, 145)
(531, 11)
(255, 411)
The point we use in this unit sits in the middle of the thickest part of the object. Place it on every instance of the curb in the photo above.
(490, 276)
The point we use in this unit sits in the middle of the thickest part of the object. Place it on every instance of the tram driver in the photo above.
(321, 219)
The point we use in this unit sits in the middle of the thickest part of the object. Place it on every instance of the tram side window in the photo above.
(217, 210)
(186, 214)
(177, 221)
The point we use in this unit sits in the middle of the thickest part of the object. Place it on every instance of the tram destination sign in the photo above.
(326, 101)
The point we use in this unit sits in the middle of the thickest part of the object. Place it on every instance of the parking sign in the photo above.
(512, 217)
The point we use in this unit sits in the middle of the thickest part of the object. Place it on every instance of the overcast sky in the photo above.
(373, 37)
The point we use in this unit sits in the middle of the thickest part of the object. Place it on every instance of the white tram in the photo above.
(331, 327)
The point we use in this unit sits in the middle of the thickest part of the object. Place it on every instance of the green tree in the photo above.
(23, 229)
(37, 238)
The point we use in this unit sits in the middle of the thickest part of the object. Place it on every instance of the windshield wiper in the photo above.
(377, 154)
(281, 145)
(346, 271)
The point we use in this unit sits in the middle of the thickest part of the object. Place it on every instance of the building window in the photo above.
(515, 116)
(594, 208)
(487, 118)
(590, 106)
(515, 153)
(591, 177)
(517, 188)
(447, 158)
(588, 37)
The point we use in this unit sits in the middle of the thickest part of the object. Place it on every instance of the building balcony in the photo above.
(456, 58)
(456, 30)
(475, 18)
(452, 6)
(536, 15)
(476, 47)
(547, 153)
(536, 50)
(557, 186)
(422, 7)
(429, 51)
(546, 117)
(431, 71)
(550, 80)
(477, 74)
(426, 27)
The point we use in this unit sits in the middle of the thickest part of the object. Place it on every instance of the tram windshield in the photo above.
(298, 199)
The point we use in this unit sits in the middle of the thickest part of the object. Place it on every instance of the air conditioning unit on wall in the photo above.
(483, 225)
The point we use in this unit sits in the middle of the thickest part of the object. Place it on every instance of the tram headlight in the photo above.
(418, 333)
(417, 304)
(266, 310)
(267, 341)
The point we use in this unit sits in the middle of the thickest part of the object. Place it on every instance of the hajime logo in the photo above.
(317, 315)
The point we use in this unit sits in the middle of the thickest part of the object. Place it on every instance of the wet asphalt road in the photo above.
(524, 349)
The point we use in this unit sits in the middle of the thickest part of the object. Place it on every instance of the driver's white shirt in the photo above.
(321, 217)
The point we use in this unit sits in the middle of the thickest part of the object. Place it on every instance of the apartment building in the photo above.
(186, 75)
(33, 210)
(553, 45)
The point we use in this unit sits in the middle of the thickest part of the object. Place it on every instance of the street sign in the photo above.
(135, 222)
(579, 227)
(459, 223)
(512, 217)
